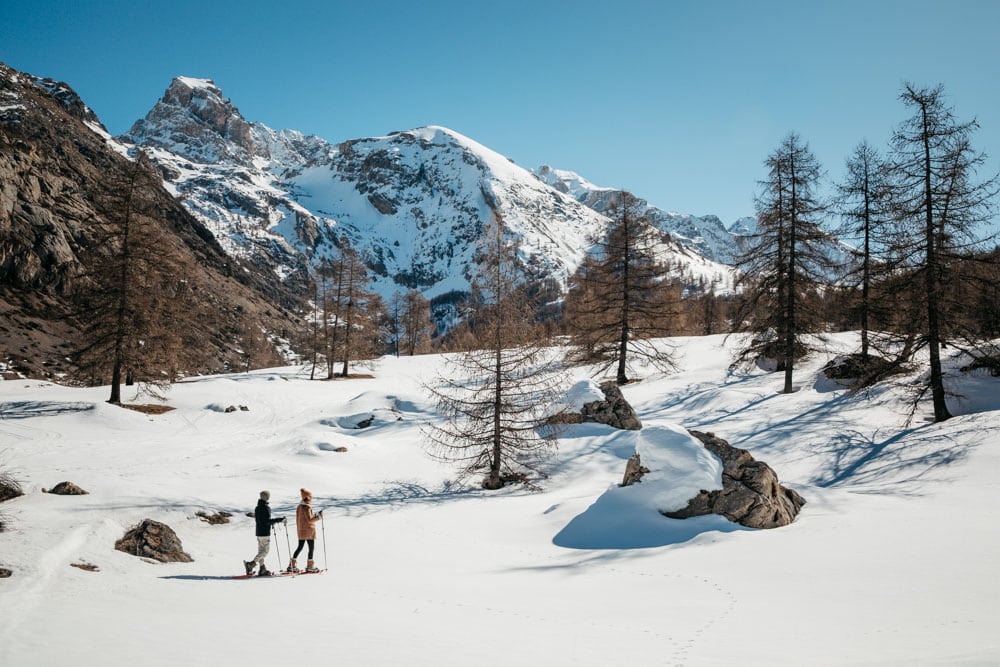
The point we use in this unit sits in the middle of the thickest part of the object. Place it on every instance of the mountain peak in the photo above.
(191, 82)
(193, 119)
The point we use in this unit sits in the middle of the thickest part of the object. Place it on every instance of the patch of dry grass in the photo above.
(149, 408)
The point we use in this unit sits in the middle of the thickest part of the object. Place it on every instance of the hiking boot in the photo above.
(264, 572)
(248, 565)
(291, 566)
(311, 567)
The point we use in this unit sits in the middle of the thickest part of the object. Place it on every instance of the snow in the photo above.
(576, 185)
(892, 561)
(195, 83)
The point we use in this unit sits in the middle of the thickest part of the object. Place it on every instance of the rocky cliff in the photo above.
(54, 156)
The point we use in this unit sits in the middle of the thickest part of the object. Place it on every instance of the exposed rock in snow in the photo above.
(750, 494)
(152, 539)
(614, 410)
(67, 489)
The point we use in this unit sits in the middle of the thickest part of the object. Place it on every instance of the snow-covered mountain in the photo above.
(706, 235)
(57, 163)
(413, 202)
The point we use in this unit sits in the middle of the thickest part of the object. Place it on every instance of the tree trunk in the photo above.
(932, 284)
(790, 312)
(622, 377)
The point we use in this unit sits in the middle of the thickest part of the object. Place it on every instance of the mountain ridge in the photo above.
(411, 201)
(56, 159)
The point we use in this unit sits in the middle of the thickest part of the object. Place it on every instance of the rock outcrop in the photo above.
(155, 540)
(57, 163)
(614, 410)
(634, 470)
(750, 494)
(67, 489)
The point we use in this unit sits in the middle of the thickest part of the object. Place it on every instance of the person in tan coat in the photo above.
(305, 525)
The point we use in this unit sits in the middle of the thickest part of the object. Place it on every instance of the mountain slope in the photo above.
(413, 203)
(55, 156)
(706, 235)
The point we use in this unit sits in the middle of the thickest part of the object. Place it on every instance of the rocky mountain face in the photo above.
(413, 202)
(54, 157)
(705, 235)
(252, 208)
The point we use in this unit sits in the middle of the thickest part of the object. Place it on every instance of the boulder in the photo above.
(614, 410)
(213, 519)
(67, 489)
(634, 470)
(750, 493)
(152, 539)
(4, 573)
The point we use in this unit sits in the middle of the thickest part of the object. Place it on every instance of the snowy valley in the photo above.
(891, 561)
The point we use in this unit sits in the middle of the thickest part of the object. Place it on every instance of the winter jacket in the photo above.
(262, 515)
(305, 522)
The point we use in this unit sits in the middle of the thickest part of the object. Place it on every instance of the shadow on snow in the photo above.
(30, 409)
(601, 526)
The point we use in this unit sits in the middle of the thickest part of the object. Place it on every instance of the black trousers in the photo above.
(298, 550)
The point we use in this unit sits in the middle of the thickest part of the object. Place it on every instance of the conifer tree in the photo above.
(862, 203)
(621, 296)
(131, 298)
(416, 325)
(785, 259)
(495, 397)
(347, 310)
(938, 203)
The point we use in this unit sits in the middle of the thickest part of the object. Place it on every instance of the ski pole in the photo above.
(322, 523)
(287, 543)
(277, 547)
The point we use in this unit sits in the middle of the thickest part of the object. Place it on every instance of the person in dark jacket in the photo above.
(263, 521)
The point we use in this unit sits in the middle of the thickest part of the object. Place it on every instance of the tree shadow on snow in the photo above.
(612, 524)
(30, 409)
(904, 459)
(395, 495)
(700, 401)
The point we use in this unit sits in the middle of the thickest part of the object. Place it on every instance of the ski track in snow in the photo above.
(52, 564)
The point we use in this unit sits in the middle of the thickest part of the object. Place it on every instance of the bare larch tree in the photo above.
(494, 398)
(621, 297)
(938, 203)
(786, 259)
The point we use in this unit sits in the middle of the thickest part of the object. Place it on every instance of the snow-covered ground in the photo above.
(893, 560)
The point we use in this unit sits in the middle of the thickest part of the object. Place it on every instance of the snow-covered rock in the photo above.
(750, 493)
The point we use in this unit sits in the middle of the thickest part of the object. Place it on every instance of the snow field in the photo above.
(892, 560)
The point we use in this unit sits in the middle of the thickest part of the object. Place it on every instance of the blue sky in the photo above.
(679, 102)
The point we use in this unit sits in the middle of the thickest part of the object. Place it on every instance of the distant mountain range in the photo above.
(705, 235)
(256, 207)
(412, 202)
